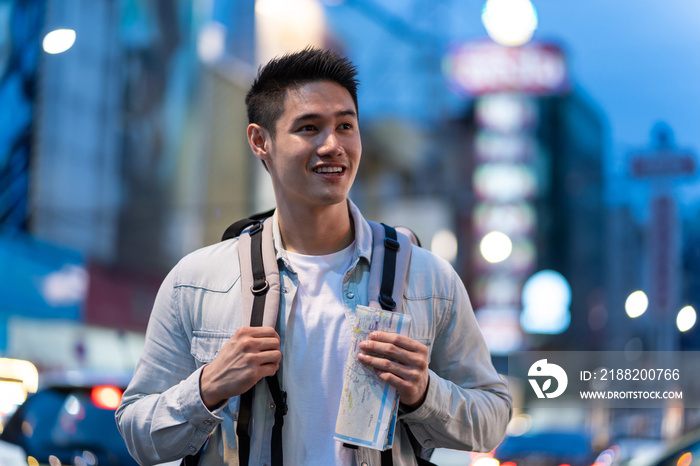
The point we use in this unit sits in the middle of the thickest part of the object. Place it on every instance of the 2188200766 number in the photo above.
(639, 374)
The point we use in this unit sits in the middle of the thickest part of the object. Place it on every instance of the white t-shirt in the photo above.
(317, 343)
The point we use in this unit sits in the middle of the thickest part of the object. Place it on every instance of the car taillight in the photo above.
(106, 396)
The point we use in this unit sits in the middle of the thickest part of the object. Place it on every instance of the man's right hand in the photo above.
(248, 356)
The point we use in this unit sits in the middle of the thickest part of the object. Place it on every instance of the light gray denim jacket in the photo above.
(162, 416)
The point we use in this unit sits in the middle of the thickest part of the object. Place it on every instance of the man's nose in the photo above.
(330, 144)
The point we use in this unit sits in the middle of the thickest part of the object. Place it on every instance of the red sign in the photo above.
(486, 67)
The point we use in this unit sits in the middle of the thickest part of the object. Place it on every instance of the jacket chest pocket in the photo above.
(206, 345)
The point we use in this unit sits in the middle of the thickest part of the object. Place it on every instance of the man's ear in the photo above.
(259, 141)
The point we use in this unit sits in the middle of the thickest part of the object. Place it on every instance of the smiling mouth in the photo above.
(329, 169)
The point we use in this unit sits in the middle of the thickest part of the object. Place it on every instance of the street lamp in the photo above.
(509, 22)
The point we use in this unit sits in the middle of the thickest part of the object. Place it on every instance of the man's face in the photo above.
(314, 155)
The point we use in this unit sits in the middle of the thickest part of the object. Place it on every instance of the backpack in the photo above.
(260, 306)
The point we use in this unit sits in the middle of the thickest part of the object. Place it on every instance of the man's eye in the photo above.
(346, 126)
(307, 128)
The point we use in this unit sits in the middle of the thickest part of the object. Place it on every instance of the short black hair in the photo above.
(265, 99)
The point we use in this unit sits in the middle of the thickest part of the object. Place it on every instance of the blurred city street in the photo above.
(547, 149)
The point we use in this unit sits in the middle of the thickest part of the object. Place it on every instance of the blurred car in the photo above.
(546, 448)
(71, 419)
(683, 452)
(12, 455)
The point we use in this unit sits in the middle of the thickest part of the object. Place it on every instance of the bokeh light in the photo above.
(211, 43)
(485, 461)
(519, 425)
(58, 41)
(444, 244)
(685, 320)
(686, 459)
(106, 396)
(509, 22)
(636, 304)
(496, 247)
(546, 299)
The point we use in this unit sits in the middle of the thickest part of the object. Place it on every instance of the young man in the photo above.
(201, 355)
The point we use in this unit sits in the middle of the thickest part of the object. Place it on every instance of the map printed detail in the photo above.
(368, 405)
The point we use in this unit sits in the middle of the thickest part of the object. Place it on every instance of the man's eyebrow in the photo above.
(314, 116)
(347, 112)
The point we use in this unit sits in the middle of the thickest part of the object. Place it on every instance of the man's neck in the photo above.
(318, 231)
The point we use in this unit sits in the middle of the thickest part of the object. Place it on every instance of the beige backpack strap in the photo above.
(254, 243)
(260, 296)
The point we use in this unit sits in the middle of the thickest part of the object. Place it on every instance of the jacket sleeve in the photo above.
(162, 416)
(467, 406)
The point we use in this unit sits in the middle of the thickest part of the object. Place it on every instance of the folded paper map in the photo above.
(368, 405)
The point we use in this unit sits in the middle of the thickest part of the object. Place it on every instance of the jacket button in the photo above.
(350, 295)
(272, 406)
(193, 449)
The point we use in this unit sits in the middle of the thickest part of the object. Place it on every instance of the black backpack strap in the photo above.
(280, 399)
(259, 291)
(391, 256)
(260, 283)
(244, 414)
(386, 290)
(394, 249)
(387, 460)
(235, 229)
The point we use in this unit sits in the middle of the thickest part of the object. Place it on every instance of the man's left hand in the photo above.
(401, 362)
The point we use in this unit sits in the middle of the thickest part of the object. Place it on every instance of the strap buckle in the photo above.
(284, 408)
(261, 290)
(387, 302)
(255, 228)
(391, 243)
